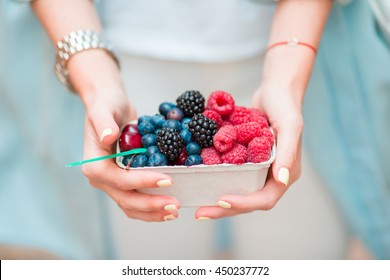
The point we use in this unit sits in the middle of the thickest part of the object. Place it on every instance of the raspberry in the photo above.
(237, 155)
(226, 123)
(259, 117)
(212, 115)
(247, 131)
(257, 112)
(210, 156)
(221, 102)
(266, 133)
(240, 115)
(225, 138)
(259, 150)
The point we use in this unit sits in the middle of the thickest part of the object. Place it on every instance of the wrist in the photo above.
(288, 69)
(94, 72)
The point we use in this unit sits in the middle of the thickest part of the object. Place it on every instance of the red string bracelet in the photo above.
(293, 42)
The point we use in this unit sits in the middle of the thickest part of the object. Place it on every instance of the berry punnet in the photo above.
(191, 102)
(203, 130)
(170, 143)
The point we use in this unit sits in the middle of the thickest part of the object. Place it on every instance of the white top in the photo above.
(190, 30)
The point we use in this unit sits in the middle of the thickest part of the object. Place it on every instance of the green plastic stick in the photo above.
(131, 152)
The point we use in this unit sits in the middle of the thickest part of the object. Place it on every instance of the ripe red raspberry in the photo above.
(225, 138)
(263, 122)
(214, 116)
(221, 102)
(257, 112)
(226, 123)
(247, 131)
(180, 160)
(266, 133)
(240, 115)
(259, 150)
(210, 156)
(237, 155)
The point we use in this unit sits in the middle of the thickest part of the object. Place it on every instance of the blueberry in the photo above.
(151, 151)
(139, 161)
(144, 119)
(148, 140)
(186, 135)
(145, 127)
(165, 107)
(157, 159)
(172, 124)
(193, 160)
(126, 160)
(156, 131)
(158, 120)
(184, 123)
(193, 148)
(175, 114)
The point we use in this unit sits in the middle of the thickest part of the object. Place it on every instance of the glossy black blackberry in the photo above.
(191, 102)
(169, 142)
(203, 130)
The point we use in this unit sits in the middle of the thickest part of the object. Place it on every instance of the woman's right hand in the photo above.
(108, 109)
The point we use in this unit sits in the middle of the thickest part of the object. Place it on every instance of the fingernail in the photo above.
(170, 207)
(169, 217)
(203, 218)
(224, 204)
(164, 183)
(283, 175)
(106, 132)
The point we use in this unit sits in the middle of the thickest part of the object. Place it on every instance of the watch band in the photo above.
(74, 43)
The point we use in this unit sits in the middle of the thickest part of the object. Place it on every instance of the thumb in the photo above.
(105, 125)
(287, 162)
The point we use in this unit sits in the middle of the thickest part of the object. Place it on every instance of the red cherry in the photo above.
(128, 141)
(180, 160)
(131, 128)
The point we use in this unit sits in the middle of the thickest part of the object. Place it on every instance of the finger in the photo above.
(104, 123)
(288, 139)
(135, 201)
(154, 216)
(214, 212)
(264, 199)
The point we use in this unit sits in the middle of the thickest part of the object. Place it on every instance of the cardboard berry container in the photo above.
(203, 185)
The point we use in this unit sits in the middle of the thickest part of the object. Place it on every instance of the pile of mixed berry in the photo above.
(194, 131)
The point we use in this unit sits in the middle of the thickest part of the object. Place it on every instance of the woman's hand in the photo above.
(96, 79)
(283, 109)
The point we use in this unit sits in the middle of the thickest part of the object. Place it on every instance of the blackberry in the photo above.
(203, 130)
(169, 142)
(191, 102)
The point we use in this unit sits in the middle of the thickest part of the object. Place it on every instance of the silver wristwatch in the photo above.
(74, 43)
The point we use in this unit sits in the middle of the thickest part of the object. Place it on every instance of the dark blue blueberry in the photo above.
(151, 151)
(145, 127)
(186, 135)
(144, 119)
(158, 120)
(148, 140)
(193, 148)
(184, 123)
(172, 124)
(126, 160)
(193, 160)
(175, 114)
(139, 161)
(157, 159)
(165, 107)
